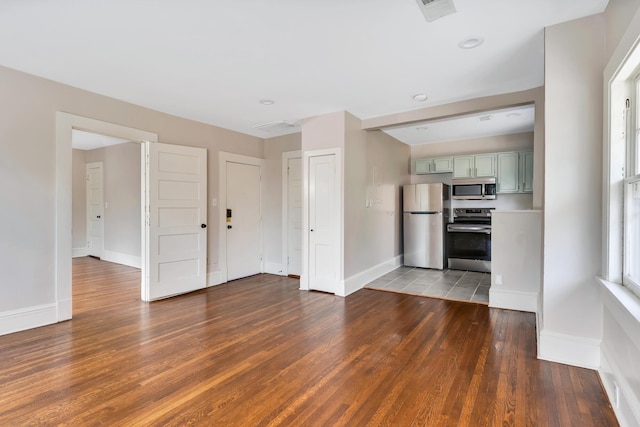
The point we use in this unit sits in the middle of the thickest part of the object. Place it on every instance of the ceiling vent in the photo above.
(434, 9)
(275, 126)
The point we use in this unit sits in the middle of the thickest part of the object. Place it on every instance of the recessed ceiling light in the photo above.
(420, 97)
(267, 102)
(470, 42)
(422, 128)
(513, 115)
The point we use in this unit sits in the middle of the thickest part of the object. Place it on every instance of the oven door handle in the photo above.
(480, 230)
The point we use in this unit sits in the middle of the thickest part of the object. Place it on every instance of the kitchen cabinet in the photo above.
(435, 165)
(508, 173)
(526, 171)
(515, 172)
(477, 166)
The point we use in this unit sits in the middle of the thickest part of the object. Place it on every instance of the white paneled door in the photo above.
(323, 224)
(294, 216)
(176, 252)
(95, 209)
(243, 220)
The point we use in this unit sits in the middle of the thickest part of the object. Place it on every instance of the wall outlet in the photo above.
(214, 202)
(498, 279)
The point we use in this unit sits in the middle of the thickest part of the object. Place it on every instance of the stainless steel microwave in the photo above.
(474, 189)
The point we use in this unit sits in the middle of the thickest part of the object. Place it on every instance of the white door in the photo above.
(294, 216)
(244, 217)
(95, 209)
(176, 247)
(323, 224)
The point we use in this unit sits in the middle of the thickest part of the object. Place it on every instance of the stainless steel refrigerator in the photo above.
(426, 209)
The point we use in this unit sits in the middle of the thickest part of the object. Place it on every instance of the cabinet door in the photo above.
(442, 164)
(526, 172)
(485, 165)
(423, 166)
(508, 181)
(463, 167)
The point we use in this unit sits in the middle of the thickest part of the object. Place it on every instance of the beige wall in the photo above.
(375, 170)
(574, 54)
(273, 149)
(618, 16)
(28, 171)
(79, 194)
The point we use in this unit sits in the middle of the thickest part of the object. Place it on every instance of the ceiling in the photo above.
(213, 61)
(503, 121)
(82, 140)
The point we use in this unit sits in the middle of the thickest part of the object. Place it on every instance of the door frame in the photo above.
(87, 211)
(223, 158)
(339, 232)
(65, 123)
(286, 156)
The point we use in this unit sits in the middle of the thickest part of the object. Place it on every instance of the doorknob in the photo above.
(229, 227)
(203, 225)
(312, 229)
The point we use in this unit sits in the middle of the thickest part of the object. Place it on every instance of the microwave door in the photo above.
(467, 191)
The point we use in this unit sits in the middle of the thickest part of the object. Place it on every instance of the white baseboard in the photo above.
(357, 281)
(568, 349)
(124, 259)
(65, 309)
(625, 403)
(79, 252)
(214, 278)
(274, 268)
(28, 318)
(513, 300)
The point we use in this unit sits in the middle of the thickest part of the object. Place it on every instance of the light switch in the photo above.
(214, 202)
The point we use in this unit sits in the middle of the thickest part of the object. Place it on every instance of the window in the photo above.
(631, 201)
(631, 250)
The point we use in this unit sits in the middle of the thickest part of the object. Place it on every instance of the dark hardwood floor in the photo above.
(258, 351)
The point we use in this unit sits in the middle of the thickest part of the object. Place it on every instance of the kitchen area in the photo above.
(469, 227)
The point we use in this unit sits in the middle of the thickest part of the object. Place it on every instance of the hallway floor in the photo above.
(448, 284)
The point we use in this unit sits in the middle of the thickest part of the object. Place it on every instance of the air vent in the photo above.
(485, 118)
(434, 9)
(275, 126)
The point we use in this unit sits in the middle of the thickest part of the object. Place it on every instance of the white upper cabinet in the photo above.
(515, 172)
(463, 166)
(480, 165)
(485, 165)
(508, 176)
(435, 165)
(526, 171)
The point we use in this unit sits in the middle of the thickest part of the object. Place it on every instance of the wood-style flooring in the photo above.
(258, 351)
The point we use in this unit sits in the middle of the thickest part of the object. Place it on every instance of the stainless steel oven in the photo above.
(469, 240)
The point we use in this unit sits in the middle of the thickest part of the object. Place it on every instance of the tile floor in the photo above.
(450, 284)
